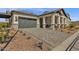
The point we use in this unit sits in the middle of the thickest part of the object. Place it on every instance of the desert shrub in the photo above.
(71, 25)
(61, 30)
(29, 37)
(68, 32)
(21, 32)
(3, 24)
(24, 34)
(76, 27)
(49, 49)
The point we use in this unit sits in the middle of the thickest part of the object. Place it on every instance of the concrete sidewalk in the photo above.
(66, 43)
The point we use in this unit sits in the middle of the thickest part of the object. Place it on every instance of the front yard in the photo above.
(71, 29)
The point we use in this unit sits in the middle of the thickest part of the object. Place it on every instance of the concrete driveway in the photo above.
(53, 38)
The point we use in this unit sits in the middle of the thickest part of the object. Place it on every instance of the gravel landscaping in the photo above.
(24, 42)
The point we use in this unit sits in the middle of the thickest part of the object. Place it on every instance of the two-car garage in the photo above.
(26, 22)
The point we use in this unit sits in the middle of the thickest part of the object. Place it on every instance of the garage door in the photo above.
(27, 23)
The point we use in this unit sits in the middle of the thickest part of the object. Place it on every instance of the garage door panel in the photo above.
(27, 23)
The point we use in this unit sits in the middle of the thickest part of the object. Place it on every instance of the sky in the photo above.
(73, 12)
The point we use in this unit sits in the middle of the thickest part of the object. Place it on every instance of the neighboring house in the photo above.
(56, 19)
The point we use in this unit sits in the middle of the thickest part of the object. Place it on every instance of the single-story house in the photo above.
(56, 19)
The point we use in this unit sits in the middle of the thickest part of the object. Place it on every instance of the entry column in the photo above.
(59, 22)
(53, 22)
(38, 23)
(44, 22)
(15, 22)
(63, 22)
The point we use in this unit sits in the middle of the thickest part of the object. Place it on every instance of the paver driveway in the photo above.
(51, 37)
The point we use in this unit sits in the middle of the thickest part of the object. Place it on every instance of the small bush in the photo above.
(77, 27)
(29, 37)
(3, 24)
(49, 49)
(71, 25)
(68, 32)
(20, 31)
(61, 30)
(24, 34)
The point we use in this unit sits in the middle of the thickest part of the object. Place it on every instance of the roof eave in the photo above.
(23, 13)
(3, 15)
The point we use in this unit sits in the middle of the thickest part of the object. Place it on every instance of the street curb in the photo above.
(66, 43)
